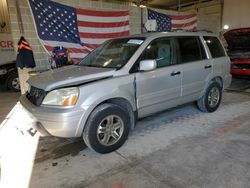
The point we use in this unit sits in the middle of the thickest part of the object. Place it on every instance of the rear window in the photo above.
(191, 49)
(214, 46)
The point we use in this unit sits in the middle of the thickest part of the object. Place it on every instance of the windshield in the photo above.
(113, 53)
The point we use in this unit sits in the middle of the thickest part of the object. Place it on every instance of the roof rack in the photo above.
(200, 30)
(178, 30)
(204, 30)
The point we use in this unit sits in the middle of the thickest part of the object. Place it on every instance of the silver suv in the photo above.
(128, 78)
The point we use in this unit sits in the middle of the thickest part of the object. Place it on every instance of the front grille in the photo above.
(36, 95)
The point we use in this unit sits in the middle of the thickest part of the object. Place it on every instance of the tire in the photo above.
(12, 82)
(99, 133)
(211, 99)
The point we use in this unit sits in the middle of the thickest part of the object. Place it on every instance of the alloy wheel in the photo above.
(110, 130)
(213, 97)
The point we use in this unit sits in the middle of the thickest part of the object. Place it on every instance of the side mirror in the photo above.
(147, 65)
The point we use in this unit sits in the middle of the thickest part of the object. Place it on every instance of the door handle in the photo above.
(208, 66)
(175, 73)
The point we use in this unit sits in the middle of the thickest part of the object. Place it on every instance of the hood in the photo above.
(69, 76)
(238, 39)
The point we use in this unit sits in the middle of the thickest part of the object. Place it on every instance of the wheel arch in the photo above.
(124, 104)
(217, 79)
(90, 134)
(120, 101)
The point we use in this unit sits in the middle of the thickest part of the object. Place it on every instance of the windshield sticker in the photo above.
(135, 41)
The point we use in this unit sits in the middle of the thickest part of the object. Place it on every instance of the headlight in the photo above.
(62, 97)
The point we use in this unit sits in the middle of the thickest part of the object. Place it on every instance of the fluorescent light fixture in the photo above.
(226, 27)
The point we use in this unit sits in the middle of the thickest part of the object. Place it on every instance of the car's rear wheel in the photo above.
(12, 82)
(211, 99)
(107, 128)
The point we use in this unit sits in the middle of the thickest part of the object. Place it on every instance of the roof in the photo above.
(175, 33)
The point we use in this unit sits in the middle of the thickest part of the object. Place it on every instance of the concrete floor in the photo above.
(7, 102)
(181, 147)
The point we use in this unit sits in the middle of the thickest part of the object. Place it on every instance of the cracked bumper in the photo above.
(58, 122)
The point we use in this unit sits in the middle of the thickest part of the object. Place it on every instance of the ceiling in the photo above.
(168, 4)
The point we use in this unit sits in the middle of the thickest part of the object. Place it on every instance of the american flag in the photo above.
(78, 30)
(173, 22)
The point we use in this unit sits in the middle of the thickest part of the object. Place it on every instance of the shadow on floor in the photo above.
(53, 148)
(240, 85)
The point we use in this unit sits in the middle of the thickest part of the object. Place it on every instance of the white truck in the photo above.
(8, 71)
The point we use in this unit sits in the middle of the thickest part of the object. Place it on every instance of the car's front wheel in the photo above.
(107, 128)
(211, 99)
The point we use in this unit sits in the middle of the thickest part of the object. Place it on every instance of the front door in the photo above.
(159, 89)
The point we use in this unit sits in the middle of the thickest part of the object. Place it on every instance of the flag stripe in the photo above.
(103, 30)
(102, 19)
(102, 25)
(77, 55)
(92, 43)
(102, 13)
(184, 21)
(184, 24)
(77, 59)
(103, 35)
(92, 46)
(182, 17)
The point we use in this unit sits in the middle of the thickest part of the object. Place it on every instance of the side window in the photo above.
(214, 46)
(191, 49)
(160, 50)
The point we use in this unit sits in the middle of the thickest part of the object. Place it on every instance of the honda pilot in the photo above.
(125, 79)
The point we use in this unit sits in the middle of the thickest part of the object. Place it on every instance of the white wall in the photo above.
(209, 15)
(236, 13)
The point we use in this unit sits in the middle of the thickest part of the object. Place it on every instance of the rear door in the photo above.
(158, 89)
(221, 62)
(195, 65)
